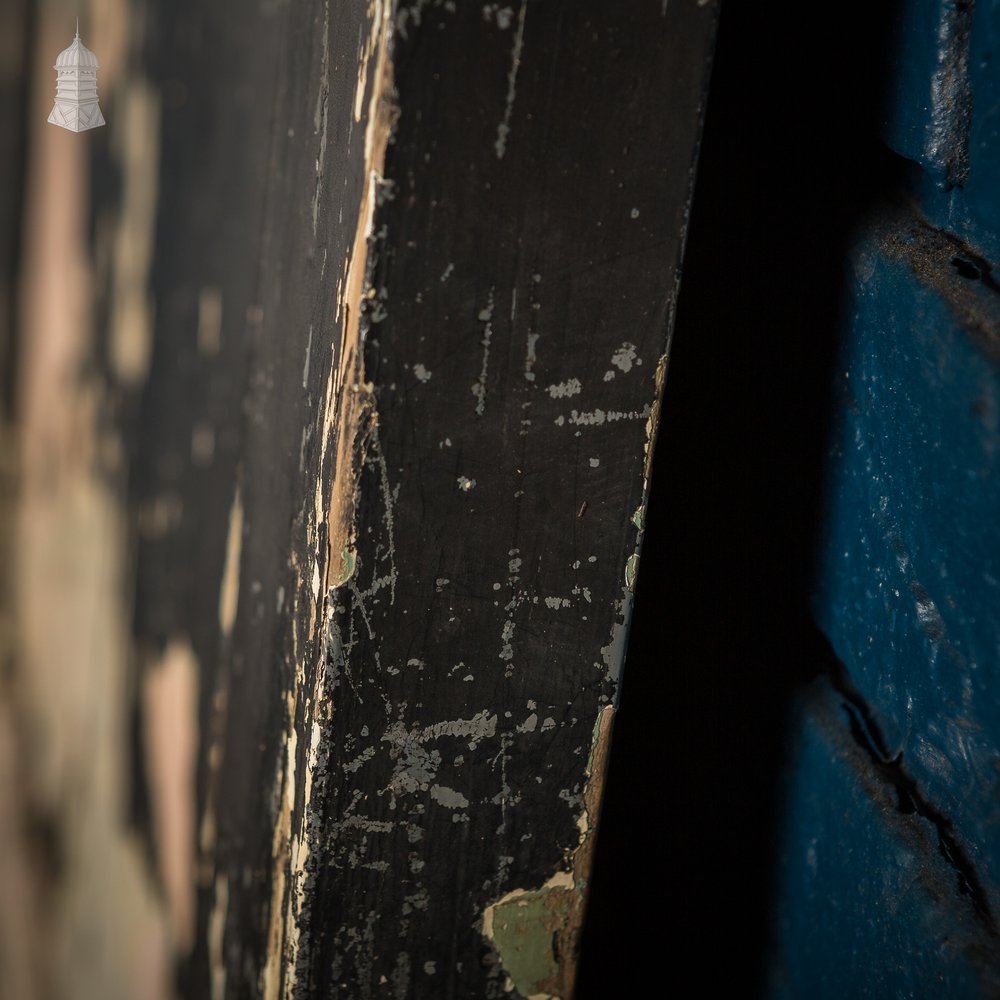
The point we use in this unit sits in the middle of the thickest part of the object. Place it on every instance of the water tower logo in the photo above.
(76, 106)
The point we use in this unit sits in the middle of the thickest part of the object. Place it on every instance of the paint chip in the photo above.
(561, 390)
(448, 797)
(624, 357)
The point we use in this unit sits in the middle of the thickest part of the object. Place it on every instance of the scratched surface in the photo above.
(415, 274)
(525, 255)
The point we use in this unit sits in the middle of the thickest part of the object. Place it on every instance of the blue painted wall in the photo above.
(888, 883)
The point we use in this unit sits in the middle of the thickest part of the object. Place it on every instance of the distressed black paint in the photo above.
(522, 310)
(428, 723)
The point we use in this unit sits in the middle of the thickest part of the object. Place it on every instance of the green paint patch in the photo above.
(348, 563)
(523, 926)
(631, 569)
(639, 517)
(536, 932)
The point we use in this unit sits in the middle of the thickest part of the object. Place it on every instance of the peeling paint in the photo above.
(448, 797)
(348, 429)
(599, 417)
(625, 357)
(530, 356)
(631, 569)
(561, 390)
(613, 654)
(535, 932)
(947, 143)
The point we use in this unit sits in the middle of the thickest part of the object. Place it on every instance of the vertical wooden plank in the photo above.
(525, 271)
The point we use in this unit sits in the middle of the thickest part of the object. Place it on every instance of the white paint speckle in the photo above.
(634, 213)
(530, 357)
(507, 638)
(464, 483)
(594, 463)
(305, 365)
(598, 417)
(422, 373)
(503, 129)
(625, 357)
(448, 797)
(479, 386)
(561, 390)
